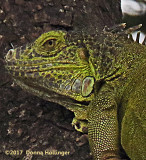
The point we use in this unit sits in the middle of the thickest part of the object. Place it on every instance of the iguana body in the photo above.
(101, 77)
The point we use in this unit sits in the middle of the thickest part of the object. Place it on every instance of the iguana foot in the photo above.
(80, 125)
(82, 140)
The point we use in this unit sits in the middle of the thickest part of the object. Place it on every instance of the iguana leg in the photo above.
(103, 126)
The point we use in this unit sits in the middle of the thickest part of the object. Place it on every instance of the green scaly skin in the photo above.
(101, 77)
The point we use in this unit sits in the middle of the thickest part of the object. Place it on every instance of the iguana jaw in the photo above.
(51, 96)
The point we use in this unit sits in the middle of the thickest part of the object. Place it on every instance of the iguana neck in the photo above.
(112, 55)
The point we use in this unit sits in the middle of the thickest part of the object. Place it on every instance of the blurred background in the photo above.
(134, 13)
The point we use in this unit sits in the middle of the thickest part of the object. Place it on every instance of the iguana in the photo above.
(101, 77)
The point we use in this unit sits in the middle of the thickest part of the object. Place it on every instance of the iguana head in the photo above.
(57, 62)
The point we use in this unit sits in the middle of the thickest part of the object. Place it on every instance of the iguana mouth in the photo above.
(50, 95)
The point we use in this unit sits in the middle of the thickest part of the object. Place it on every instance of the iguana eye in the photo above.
(49, 43)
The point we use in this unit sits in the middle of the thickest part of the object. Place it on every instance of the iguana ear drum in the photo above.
(87, 86)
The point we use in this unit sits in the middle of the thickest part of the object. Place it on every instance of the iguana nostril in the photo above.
(10, 54)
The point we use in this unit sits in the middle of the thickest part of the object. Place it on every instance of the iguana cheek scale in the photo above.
(101, 77)
(87, 86)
